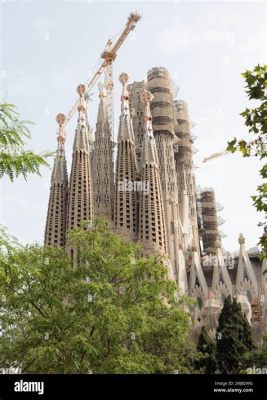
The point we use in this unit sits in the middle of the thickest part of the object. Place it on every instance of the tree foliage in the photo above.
(15, 161)
(256, 357)
(233, 337)
(114, 312)
(207, 348)
(256, 121)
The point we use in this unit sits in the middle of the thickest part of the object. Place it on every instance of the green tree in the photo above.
(114, 312)
(15, 161)
(257, 357)
(233, 337)
(256, 121)
(206, 346)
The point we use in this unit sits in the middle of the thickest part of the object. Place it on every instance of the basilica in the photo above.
(143, 182)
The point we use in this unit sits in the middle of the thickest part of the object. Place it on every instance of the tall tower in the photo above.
(163, 127)
(80, 199)
(137, 113)
(210, 232)
(102, 165)
(55, 229)
(152, 228)
(185, 179)
(125, 206)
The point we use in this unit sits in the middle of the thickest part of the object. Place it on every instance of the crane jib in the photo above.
(109, 56)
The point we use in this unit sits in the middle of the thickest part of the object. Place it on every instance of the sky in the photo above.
(48, 47)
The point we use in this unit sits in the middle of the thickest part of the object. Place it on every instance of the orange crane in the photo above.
(215, 155)
(105, 66)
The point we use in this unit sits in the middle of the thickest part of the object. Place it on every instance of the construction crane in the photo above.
(105, 66)
(215, 155)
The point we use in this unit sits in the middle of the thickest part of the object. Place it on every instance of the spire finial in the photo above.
(146, 97)
(149, 153)
(81, 89)
(61, 137)
(241, 239)
(123, 78)
(102, 92)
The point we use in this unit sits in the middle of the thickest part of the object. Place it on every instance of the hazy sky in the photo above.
(49, 47)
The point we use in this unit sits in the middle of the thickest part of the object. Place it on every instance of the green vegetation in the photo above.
(15, 161)
(115, 312)
(256, 357)
(206, 346)
(233, 337)
(256, 121)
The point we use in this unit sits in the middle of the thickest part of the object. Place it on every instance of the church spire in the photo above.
(59, 173)
(126, 127)
(125, 195)
(152, 226)
(125, 95)
(102, 165)
(102, 108)
(80, 200)
(159, 83)
(81, 141)
(56, 214)
(183, 155)
(149, 154)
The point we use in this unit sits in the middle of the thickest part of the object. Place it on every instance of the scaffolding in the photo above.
(209, 232)
(182, 131)
(160, 85)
